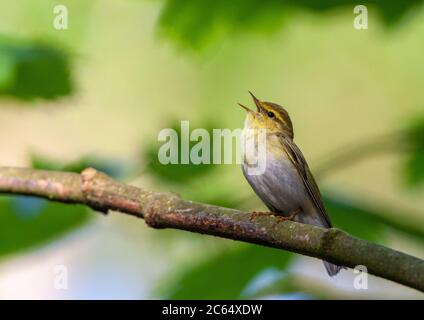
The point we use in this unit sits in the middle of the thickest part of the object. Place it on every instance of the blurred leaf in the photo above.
(41, 162)
(7, 67)
(228, 274)
(214, 193)
(414, 166)
(355, 220)
(33, 70)
(27, 222)
(196, 24)
(216, 189)
(110, 167)
(415, 169)
(176, 172)
(367, 223)
(283, 286)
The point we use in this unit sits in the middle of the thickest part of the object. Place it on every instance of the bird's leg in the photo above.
(278, 216)
(256, 214)
(290, 217)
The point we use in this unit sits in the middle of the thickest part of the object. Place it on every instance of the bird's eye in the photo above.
(271, 114)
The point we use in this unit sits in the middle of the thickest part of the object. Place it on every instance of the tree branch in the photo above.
(168, 210)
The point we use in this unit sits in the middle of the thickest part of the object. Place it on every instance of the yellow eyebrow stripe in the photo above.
(279, 117)
(277, 114)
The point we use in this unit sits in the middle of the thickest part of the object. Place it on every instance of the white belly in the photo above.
(280, 187)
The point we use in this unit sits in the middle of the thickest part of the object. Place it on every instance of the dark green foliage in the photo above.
(196, 24)
(354, 219)
(181, 173)
(27, 222)
(366, 222)
(226, 275)
(30, 70)
(414, 167)
(111, 168)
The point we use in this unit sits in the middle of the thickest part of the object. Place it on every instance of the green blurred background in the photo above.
(98, 93)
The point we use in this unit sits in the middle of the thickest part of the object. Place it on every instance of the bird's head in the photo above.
(269, 116)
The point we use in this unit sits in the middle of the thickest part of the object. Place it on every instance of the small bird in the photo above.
(286, 185)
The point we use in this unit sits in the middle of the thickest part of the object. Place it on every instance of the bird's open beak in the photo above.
(245, 108)
(257, 102)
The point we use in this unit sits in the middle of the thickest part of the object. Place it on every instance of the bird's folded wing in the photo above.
(298, 160)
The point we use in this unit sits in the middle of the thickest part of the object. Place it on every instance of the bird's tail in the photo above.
(318, 219)
(332, 269)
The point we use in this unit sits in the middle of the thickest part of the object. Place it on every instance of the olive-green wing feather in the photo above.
(298, 160)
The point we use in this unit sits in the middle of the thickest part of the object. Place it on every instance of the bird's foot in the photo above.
(278, 216)
(281, 218)
(256, 214)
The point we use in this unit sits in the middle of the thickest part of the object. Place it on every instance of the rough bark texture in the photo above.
(168, 210)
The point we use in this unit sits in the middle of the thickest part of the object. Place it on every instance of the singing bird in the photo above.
(286, 185)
